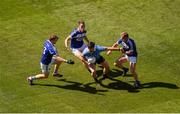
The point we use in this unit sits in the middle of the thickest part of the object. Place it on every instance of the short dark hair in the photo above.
(91, 45)
(53, 37)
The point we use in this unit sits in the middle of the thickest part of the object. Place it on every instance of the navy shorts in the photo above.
(100, 60)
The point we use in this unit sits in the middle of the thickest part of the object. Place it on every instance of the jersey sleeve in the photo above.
(73, 33)
(119, 41)
(51, 49)
(84, 53)
(132, 45)
(101, 48)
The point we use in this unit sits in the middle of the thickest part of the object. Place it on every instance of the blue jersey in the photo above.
(129, 45)
(77, 38)
(49, 51)
(96, 53)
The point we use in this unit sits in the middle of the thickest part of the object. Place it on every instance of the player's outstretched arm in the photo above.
(113, 46)
(86, 39)
(113, 49)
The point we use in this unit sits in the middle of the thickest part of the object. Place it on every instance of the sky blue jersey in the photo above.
(96, 53)
(129, 45)
(77, 38)
(49, 51)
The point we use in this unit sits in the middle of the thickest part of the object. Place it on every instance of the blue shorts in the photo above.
(81, 49)
(100, 60)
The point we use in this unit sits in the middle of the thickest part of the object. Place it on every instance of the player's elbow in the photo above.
(66, 41)
(67, 38)
(115, 45)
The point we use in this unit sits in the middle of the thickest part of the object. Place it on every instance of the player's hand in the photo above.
(109, 52)
(70, 62)
(122, 50)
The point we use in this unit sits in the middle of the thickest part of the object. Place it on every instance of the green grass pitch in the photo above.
(26, 24)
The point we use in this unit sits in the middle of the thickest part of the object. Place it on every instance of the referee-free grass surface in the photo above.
(153, 24)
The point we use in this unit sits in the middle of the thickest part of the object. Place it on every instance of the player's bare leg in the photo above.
(133, 71)
(79, 55)
(119, 63)
(36, 77)
(92, 68)
(58, 60)
(105, 66)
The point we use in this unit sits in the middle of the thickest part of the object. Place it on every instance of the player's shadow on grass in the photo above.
(119, 85)
(159, 84)
(113, 73)
(116, 84)
(75, 86)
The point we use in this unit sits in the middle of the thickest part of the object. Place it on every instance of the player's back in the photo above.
(48, 52)
(132, 45)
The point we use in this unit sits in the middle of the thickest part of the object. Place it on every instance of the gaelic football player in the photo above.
(129, 54)
(49, 56)
(92, 56)
(76, 38)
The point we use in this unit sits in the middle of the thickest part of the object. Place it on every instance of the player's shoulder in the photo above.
(131, 39)
(119, 40)
(99, 47)
(74, 31)
(46, 42)
(85, 51)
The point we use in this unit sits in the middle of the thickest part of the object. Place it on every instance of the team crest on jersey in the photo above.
(80, 37)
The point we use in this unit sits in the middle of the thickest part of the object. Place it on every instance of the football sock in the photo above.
(33, 77)
(96, 80)
(137, 81)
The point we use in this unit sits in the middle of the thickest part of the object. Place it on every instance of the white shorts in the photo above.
(131, 59)
(46, 68)
(81, 49)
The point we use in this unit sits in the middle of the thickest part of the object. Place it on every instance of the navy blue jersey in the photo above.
(77, 38)
(49, 51)
(96, 53)
(129, 45)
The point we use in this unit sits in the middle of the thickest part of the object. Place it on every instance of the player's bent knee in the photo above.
(58, 61)
(93, 72)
